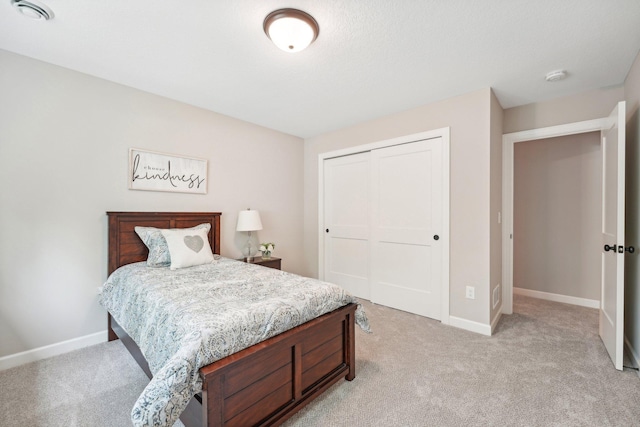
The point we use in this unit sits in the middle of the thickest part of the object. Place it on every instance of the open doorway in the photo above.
(509, 141)
(557, 218)
(611, 327)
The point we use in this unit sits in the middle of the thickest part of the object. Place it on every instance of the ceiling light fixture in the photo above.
(32, 10)
(292, 30)
(557, 75)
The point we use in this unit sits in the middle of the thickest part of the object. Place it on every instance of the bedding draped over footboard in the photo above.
(185, 319)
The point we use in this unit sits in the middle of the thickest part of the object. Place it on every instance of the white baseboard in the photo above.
(633, 354)
(470, 325)
(584, 302)
(40, 353)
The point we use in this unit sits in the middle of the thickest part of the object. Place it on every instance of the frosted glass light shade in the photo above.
(291, 30)
(249, 221)
(32, 9)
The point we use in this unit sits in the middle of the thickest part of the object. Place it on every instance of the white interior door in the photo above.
(346, 219)
(613, 188)
(406, 224)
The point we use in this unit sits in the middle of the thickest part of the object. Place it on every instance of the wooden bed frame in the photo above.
(264, 384)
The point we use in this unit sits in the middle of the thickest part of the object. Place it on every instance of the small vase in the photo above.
(266, 254)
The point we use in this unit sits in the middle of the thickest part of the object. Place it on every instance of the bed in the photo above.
(263, 384)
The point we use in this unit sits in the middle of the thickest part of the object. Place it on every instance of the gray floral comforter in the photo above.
(188, 318)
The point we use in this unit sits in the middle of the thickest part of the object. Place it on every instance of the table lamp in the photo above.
(249, 221)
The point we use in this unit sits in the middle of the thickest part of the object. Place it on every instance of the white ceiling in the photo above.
(372, 57)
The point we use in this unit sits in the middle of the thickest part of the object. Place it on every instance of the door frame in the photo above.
(443, 133)
(508, 144)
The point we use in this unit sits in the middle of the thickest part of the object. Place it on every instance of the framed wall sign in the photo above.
(153, 171)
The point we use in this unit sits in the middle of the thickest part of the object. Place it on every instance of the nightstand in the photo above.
(272, 262)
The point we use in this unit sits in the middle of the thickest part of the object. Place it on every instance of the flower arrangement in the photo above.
(266, 249)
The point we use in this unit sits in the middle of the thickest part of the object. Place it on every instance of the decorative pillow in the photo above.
(158, 250)
(188, 247)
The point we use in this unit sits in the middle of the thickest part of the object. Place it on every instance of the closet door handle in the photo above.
(436, 237)
(327, 230)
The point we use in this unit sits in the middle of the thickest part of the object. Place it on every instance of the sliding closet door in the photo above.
(406, 218)
(346, 222)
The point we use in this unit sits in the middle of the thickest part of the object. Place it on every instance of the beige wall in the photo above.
(632, 237)
(64, 140)
(590, 105)
(63, 162)
(497, 117)
(468, 116)
(557, 215)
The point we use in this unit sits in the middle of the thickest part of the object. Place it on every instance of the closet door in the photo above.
(406, 220)
(346, 223)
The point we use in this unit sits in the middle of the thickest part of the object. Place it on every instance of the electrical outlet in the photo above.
(471, 292)
(496, 296)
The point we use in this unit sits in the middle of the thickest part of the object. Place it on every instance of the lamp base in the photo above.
(248, 249)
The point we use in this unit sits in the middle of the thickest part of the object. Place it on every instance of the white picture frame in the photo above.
(154, 171)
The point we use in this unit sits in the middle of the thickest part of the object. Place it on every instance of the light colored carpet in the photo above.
(94, 386)
(545, 366)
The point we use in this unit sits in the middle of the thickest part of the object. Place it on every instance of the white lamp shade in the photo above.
(291, 30)
(291, 34)
(249, 221)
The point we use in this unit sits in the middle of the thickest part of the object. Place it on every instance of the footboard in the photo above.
(267, 383)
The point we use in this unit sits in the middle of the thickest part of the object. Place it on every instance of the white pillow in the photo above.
(153, 239)
(188, 247)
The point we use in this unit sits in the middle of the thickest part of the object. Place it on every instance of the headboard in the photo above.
(126, 247)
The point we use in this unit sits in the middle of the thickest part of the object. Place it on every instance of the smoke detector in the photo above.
(557, 75)
(32, 9)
